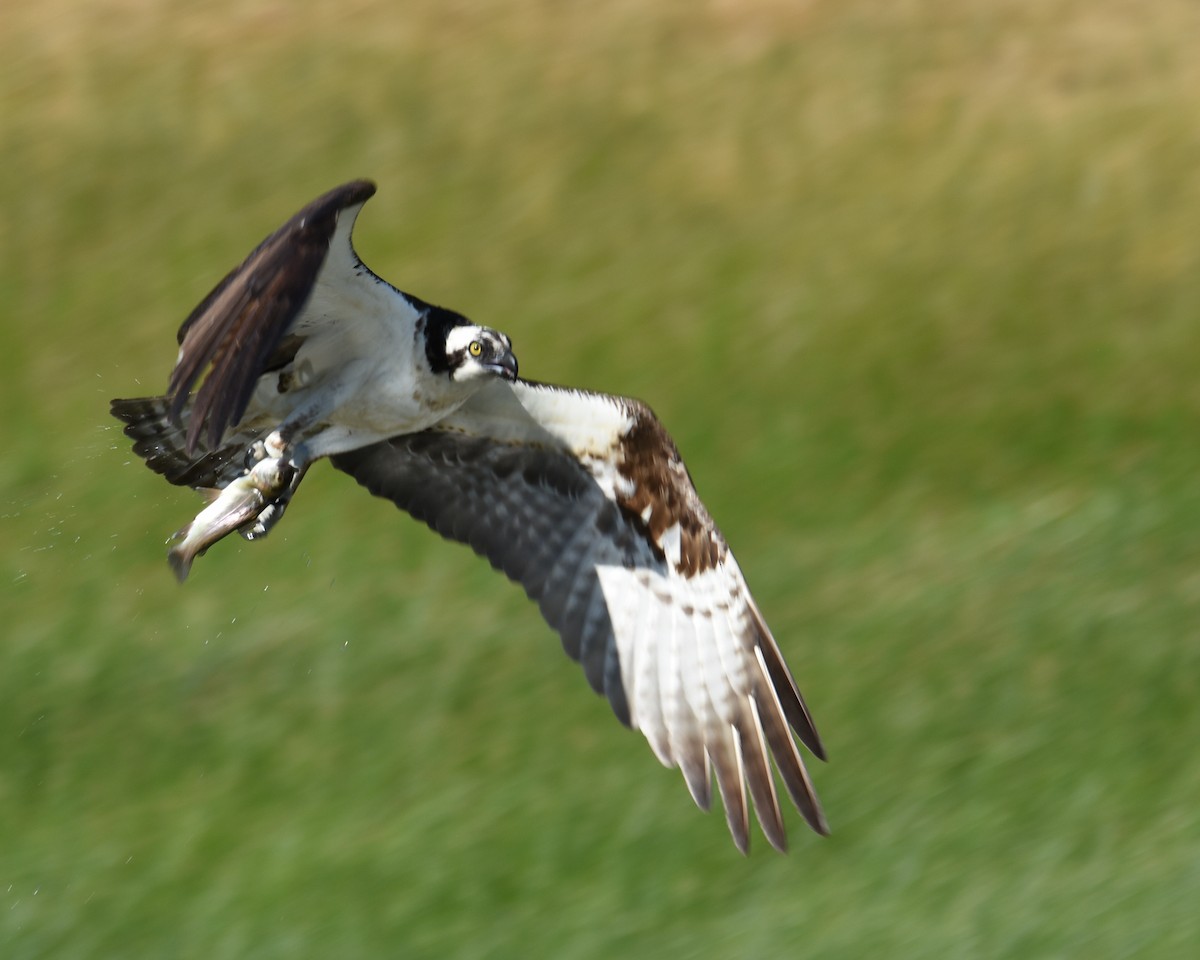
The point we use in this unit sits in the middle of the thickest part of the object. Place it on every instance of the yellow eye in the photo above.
(476, 348)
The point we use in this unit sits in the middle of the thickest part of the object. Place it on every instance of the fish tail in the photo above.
(180, 558)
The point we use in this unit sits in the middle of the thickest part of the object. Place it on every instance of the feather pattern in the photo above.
(553, 487)
(163, 444)
(236, 329)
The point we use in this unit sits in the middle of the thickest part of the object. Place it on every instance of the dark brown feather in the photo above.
(236, 330)
(650, 459)
(787, 757)
(785, 688)
(163, 445)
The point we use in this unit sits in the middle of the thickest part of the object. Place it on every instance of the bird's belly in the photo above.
(389, 406)
(387, 419)
(342, 398)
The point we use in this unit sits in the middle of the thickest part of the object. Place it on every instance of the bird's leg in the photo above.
(236, 506)
(287, 446)
(277, 445)
(296, 455)
(252, 504)
(273, 511)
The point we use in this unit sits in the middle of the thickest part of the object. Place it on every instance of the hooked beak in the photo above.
(504, 366)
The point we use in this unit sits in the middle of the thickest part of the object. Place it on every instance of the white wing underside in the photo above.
(530, 477)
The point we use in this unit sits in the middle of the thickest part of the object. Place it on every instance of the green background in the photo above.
(916, 287)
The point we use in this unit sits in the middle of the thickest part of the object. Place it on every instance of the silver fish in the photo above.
(239, 504)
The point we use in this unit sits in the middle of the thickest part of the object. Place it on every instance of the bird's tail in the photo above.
(162, 443)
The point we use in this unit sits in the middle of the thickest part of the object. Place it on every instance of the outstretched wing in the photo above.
(239, 327)
(583, 500)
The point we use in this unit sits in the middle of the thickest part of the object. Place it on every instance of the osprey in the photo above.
(579, 497)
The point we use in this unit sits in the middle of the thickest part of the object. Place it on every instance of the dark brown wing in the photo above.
(237, 328)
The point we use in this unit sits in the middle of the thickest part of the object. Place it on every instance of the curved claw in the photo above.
(240, 503)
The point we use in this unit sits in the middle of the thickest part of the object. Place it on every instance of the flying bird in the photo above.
(302, 353)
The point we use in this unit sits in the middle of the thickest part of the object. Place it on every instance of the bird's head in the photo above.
(475, 352)
(466, 352)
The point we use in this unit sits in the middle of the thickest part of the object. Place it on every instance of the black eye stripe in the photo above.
(438, 324)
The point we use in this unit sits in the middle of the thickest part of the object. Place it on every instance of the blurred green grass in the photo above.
(914, 285)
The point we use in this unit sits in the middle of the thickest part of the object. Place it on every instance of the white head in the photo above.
(474, 352)
(463, 351)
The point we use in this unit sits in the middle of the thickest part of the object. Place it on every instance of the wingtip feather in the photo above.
(726, 755)
(786, 690)
(787, 757)
(760, 780)
(698, 776)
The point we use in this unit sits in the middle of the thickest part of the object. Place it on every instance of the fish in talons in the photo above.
(235, 507)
